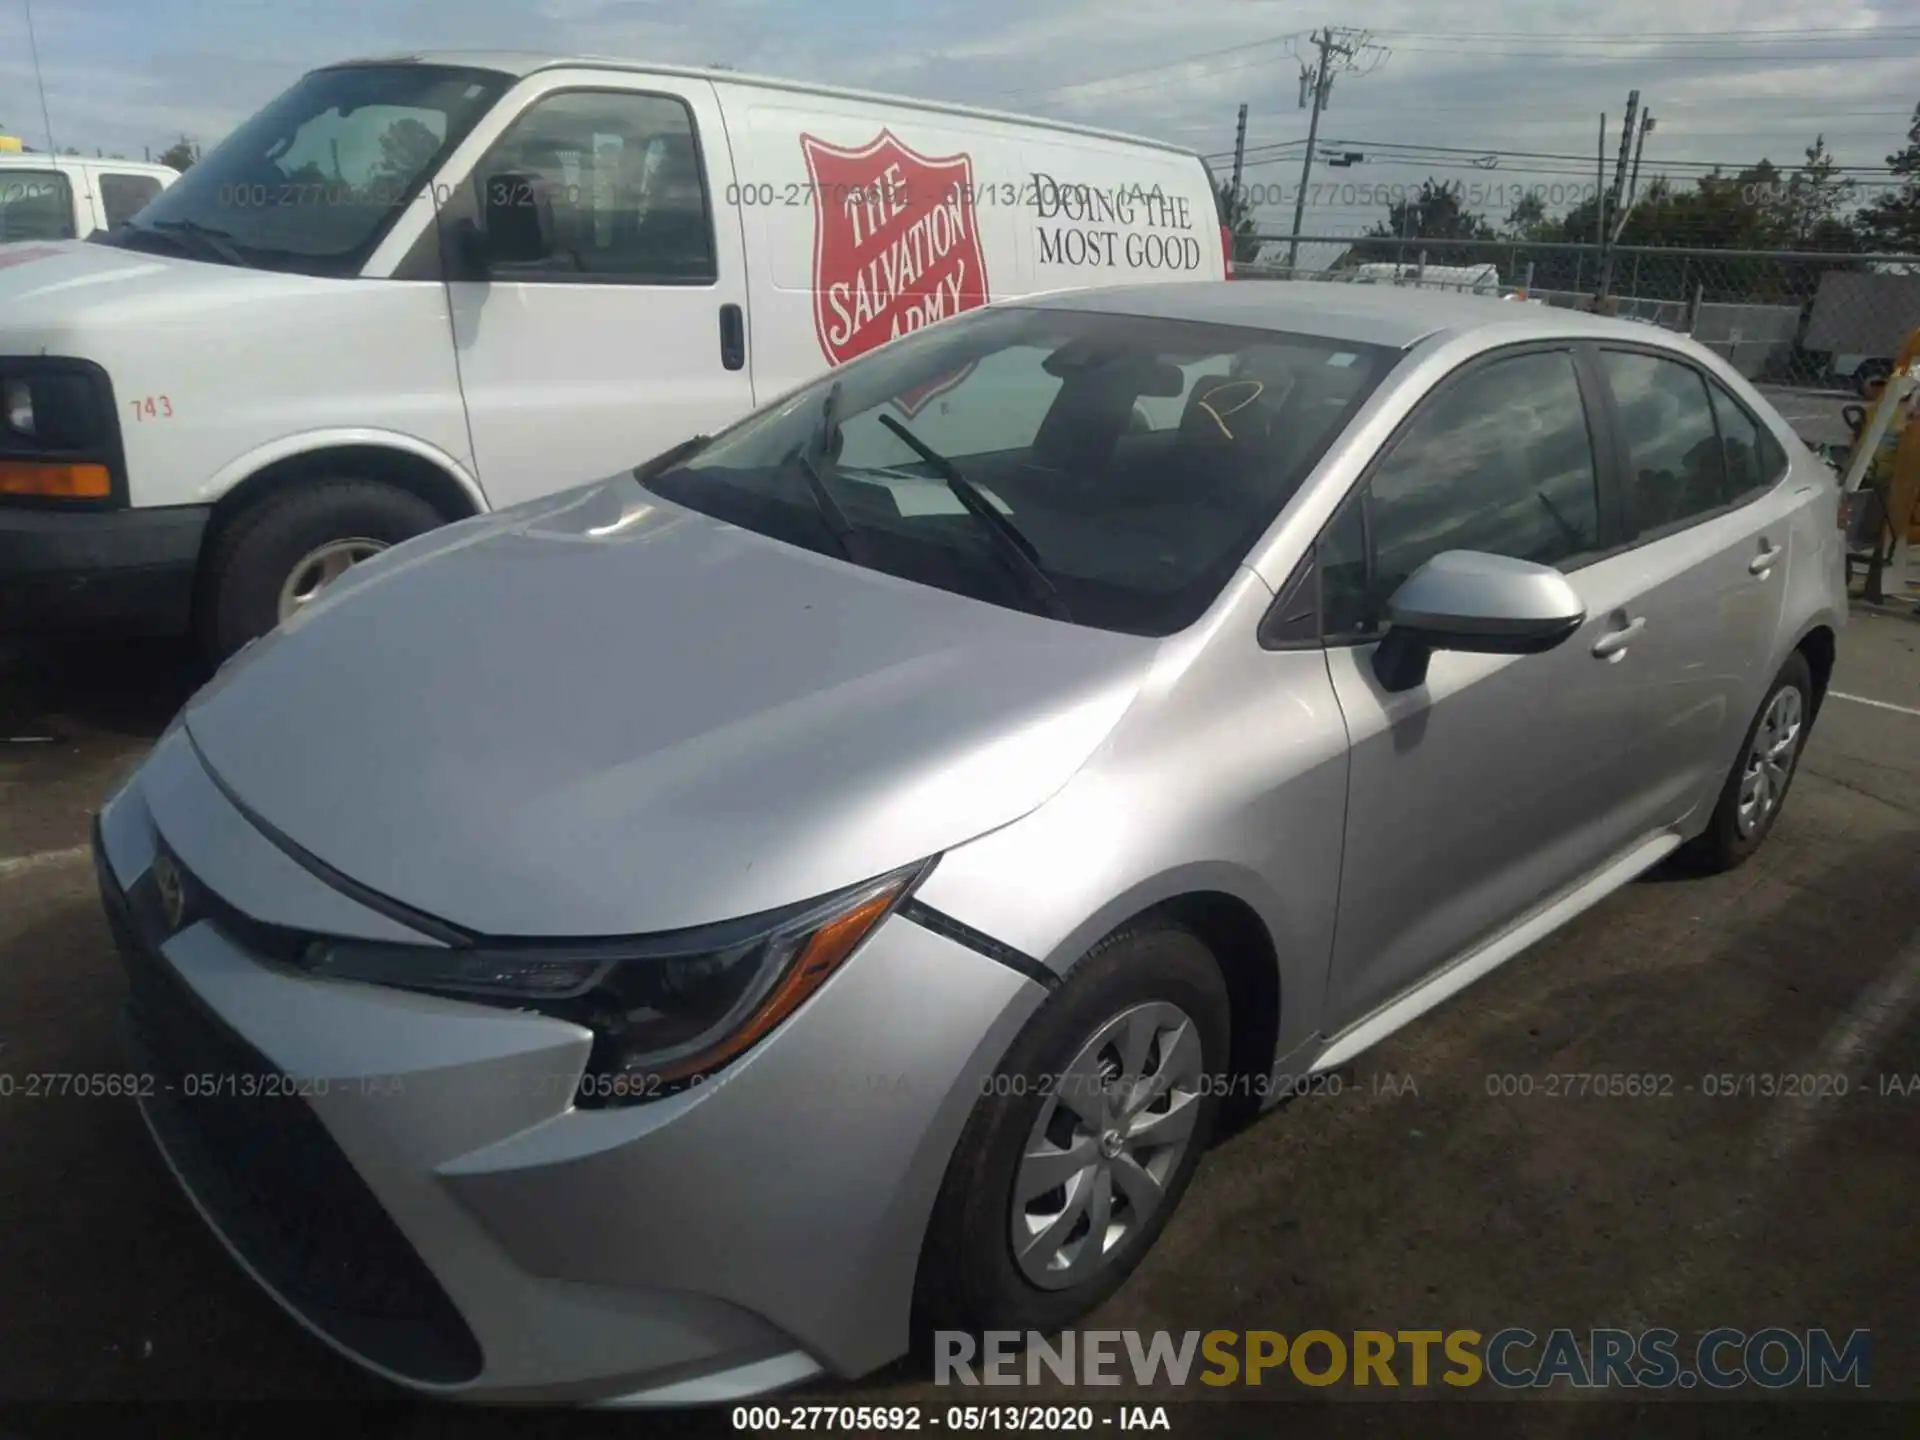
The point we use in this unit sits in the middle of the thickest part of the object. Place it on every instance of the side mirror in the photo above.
(1469, 601)
(516, 219)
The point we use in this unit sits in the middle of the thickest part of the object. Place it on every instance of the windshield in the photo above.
(313, 182)
(1135, 460)
(35, 205)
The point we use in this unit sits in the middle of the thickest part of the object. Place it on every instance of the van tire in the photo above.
(254, 555)
(969, 1278)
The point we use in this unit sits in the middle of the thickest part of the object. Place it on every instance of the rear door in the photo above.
(631, 336)
(1476, 796)
(1710, 517)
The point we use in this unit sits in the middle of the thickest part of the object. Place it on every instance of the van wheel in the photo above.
(1084, 1139)
(1750, 801)
(281, 552)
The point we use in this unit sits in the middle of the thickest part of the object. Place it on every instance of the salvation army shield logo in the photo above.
(895, 247)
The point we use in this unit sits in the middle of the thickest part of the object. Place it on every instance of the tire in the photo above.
(1725, 844)
(257, 553)
(970, 1278)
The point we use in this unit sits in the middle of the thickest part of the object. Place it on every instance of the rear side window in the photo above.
(1676, 473)
(123, 196)
(1501, 462)
(1754, 459)
(35, 205)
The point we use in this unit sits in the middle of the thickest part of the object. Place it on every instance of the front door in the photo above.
(630, 336)
(1477, 795)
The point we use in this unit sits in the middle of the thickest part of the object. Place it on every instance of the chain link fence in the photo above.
(1812, 320)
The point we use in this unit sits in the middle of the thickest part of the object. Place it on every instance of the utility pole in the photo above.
(1628, 129)
(1339, 49)
(33, 49)
(1239, 150)
(1633, 180)
(1600, 185)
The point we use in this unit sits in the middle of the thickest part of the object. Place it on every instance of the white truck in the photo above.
(413, 290)
(65, 197)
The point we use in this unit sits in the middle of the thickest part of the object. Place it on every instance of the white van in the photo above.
(65, 197)
(413, 290)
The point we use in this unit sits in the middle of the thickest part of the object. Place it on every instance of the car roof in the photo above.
(39, 160)
(1399, 317)
(521, 63)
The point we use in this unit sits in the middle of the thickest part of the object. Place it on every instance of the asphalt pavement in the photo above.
(1433, 1191)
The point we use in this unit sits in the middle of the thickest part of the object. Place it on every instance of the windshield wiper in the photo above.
(219, 242)
(817, 466)
(1014, 547)
(667, 459)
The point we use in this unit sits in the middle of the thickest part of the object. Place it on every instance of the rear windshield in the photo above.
(1139, 459)
(35, 205)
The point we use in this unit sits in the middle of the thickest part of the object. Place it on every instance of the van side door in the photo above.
(624, 331)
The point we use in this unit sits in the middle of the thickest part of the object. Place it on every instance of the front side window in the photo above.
(123, 196)
(622, 178)
(1134, 527)
(1676, 473)
(313, 182)
(1500, 462)
(35, 205)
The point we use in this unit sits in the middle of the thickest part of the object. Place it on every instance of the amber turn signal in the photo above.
(53, 481)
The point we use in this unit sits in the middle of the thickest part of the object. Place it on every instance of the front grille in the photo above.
(270, 1176)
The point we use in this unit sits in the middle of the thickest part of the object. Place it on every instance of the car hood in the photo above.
(603, 714)
(50, 287)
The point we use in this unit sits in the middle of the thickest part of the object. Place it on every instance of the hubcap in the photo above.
(1107, 1142)
(1776, 742)
(320, 567)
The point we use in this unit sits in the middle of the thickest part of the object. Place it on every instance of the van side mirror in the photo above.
(516, 225)
(1469, 601)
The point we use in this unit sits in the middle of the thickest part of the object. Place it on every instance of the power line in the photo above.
(1796, 58)
(1623, 36)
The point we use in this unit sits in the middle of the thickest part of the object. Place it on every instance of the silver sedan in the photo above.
(657, 943)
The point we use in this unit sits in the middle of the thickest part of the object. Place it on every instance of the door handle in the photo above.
(1616, 641)
(733, 337)
(1763, 562)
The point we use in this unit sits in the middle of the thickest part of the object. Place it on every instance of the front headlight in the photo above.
(59, 439)
(16, 406)
(666, 1011)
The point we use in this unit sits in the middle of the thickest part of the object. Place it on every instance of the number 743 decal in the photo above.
(152, 407)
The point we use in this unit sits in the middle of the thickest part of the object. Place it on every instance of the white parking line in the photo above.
(1848, 1049)
(20, 864)
(1876, 704)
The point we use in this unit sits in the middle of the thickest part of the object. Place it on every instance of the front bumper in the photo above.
(407, 1177)
(124, 569)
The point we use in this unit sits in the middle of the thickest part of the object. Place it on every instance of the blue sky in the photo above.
(1728, 79)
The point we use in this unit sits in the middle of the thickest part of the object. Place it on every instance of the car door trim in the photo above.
(1489, 955)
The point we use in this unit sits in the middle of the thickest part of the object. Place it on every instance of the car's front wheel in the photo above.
(1084, 1139)
(1756, 788)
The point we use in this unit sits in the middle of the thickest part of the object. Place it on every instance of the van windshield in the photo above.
(1132, 461)
(313, 182)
